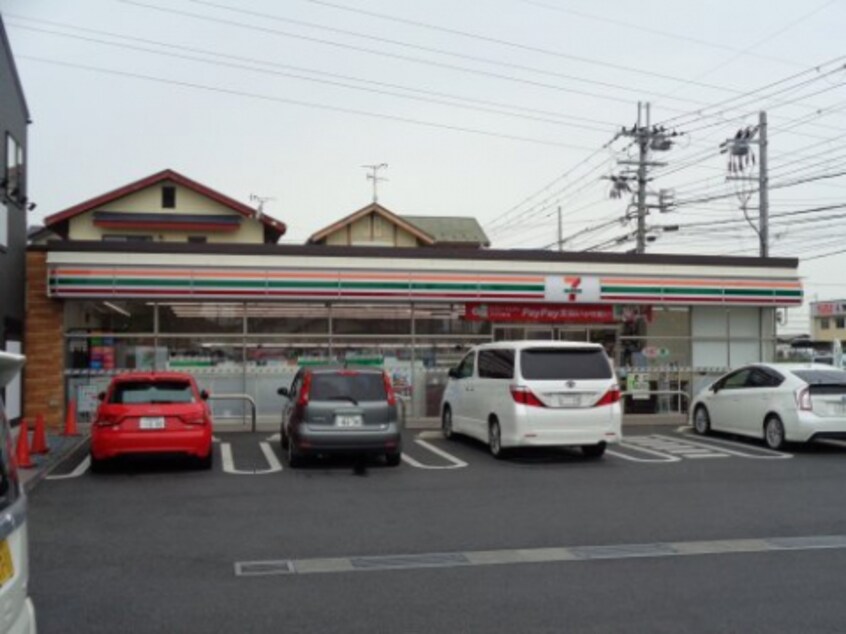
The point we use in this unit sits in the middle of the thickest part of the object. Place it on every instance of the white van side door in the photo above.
(463, 399)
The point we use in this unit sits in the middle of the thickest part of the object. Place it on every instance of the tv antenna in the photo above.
(374, 176)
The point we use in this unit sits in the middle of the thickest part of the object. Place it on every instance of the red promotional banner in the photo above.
(540, 313)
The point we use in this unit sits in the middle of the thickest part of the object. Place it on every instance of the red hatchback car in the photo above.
(152, 412)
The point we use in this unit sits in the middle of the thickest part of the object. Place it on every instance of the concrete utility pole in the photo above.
(643, 134)
(374, 176)
(648, 138)
(741, 162)
(763, 187)
(560, 231)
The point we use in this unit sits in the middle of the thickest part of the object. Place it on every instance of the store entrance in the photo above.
(607, 336)
(604, 335)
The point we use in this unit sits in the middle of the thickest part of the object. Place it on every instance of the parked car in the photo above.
(533, 393)
(152, 413)
(779, 403)
(340, 410)
(17, 614)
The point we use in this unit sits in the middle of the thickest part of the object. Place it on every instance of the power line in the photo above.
(478, 37)
(305, 104)
(653, 31)
(402, 44)
(767, 38)
(316, 80)
(274, 64)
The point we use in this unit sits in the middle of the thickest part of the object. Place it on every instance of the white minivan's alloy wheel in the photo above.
(701, 420)
(774, 433)
(446, 422)
(495, 439)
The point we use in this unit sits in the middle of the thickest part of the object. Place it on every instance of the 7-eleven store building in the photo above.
(243, 318)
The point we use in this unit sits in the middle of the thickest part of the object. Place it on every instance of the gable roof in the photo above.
(378, 209)
(451, 229)
(273, 229)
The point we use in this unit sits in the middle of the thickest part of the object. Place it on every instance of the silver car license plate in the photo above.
(349, 421)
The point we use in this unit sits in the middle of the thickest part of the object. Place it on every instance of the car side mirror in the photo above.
(204, 394)
(283, 391)
(715, 388)
(453, 373)
(101, 396)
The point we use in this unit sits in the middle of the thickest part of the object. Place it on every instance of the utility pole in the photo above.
(560, 231)
(643, 156)
(374, 176)
(648, 138)
(763, 187)
(741, 161)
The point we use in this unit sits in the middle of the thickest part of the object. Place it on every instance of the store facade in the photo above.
(243, 318)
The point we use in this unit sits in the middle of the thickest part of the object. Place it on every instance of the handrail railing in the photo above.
(242, 397)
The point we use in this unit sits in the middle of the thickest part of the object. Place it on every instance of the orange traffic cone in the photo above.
(70, 420)
(39, 438)
(22, 454)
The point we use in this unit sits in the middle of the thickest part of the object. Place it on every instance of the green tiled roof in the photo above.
(450, 229)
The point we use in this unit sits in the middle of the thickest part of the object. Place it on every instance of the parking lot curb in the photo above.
(31, 478)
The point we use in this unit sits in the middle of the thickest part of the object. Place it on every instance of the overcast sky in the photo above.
(475, 106)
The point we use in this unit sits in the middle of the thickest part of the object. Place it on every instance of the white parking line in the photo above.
(272, 460)
(229, 463)
(723, 446)
(455, 463)
(662, 457)
(81, 468)
(676, 447)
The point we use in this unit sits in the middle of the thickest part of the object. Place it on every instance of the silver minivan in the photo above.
(17, 615)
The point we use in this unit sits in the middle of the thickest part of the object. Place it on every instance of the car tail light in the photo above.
(194, 419)
(523, 395)
(609, 398)
(389, 389)
(803, 399)
(106, 419)
(303, 400)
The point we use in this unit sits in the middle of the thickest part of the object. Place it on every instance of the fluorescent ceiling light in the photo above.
(117, 309)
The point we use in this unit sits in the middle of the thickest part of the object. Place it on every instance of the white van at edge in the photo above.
(534, 393)
(17, 615)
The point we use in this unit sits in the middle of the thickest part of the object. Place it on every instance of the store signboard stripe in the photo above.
(656, 290)
(327, 275)
(702, 282)
(658, 299)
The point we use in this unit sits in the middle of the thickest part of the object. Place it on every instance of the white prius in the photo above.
(17, 615)
(534, 393)
(779, 403)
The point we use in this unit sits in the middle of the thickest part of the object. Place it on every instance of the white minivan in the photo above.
(17, 615)
(534, 393)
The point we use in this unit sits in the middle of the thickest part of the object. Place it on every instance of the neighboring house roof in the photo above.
(451, 229)
(4, 40)
(273, 229)
(376, 208)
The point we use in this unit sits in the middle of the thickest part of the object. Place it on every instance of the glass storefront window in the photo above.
(109, 354)
(271, 318)
(371, 319)
(201, 318)
(109, 316)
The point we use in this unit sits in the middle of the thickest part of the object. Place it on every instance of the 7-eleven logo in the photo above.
(572, 287)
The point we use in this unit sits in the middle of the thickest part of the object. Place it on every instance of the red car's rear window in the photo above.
(152, 392)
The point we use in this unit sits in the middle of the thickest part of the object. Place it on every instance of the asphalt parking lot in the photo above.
(669, 532)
